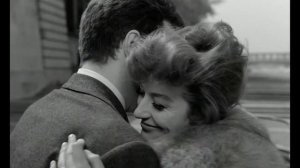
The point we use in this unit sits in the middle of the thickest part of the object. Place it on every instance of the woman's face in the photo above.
(162, 110)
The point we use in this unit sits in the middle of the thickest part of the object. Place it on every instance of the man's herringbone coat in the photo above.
(87, 108)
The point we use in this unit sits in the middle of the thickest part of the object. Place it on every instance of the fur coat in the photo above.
(239, 141)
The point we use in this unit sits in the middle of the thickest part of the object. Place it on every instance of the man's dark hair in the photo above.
(105, 23)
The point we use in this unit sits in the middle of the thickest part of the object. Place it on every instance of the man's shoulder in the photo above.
(71, 109)
(62, 112)
(64, 99)
(48, 122)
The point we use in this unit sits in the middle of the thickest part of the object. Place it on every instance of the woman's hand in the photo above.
(72, 155)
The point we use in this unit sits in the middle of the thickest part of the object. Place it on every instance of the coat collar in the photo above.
(88, 85)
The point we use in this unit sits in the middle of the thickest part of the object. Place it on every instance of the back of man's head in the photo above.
(105, 23)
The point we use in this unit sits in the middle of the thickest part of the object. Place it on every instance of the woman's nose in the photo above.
(143, 111)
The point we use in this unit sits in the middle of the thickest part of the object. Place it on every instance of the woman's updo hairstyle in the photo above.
(220, 81)
(206, 59)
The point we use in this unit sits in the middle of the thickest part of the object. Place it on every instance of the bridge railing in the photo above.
(269, 57)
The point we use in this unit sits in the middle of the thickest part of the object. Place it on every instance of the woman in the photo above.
(190, 84)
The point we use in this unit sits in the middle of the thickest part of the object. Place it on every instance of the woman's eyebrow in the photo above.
(158, 95)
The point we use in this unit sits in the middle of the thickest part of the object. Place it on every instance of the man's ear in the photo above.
(131, 40)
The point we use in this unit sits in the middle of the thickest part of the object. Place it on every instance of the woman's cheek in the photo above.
(161, 120)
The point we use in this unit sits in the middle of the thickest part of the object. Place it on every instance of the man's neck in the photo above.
(109, 71)
(114, 72)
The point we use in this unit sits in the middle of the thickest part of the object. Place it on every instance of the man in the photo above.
(92, 103)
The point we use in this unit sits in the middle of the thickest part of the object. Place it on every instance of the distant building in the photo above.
(43, 43)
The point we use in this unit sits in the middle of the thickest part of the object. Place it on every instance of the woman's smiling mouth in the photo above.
(148, 127)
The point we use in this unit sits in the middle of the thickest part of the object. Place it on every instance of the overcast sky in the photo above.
(263, 24)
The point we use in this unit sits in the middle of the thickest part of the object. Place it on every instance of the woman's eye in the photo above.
(158, 107)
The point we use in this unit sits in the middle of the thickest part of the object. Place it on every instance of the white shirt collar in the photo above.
(105, 81)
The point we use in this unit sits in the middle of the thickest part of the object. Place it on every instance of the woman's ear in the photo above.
(131, 40)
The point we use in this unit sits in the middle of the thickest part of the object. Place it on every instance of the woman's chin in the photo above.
(160, 143)
(152, 135)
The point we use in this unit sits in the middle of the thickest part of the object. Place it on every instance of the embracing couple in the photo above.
(184, 83)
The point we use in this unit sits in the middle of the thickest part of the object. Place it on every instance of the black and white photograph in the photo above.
(149, 83)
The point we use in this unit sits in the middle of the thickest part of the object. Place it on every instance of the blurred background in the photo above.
(43, 52)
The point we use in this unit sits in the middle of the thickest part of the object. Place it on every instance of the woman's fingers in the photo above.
(72, 155)
(94, 159)
(52, 164)
(75, 156)
(61, 157)
(78, 154)
(68, 154)
(71, 138)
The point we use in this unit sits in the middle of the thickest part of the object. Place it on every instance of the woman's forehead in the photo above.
(163, 88)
